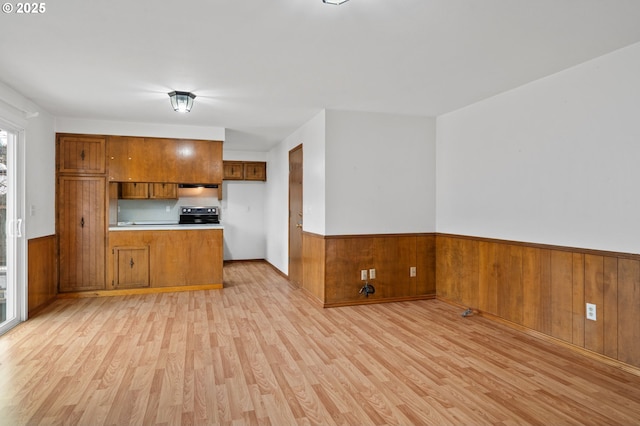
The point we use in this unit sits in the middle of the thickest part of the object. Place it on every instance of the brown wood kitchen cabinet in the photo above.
(176, 257)
(255, 171)
(233, 170)
(162, 160)
(134, 190)
(81, 227)
(81, 154)
(131, 267)
(143, 190)
(245, 170)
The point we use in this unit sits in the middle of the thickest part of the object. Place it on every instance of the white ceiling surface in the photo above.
(263, 68)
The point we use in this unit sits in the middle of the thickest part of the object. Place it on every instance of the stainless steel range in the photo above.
(191, 215)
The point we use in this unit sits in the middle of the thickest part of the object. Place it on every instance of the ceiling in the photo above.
(262, 68)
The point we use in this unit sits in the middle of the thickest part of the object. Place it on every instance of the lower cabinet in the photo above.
(174, 257)
(131, 267)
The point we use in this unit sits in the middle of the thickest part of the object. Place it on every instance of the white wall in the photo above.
(40, 147)
(121, 128)
(243, 212)
(380, 172)
(312, 136)
(555, 161)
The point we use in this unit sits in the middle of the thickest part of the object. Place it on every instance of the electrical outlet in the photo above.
(591, 311)
(412, 271)
(168, 209)
(372, 274)
(363, 275)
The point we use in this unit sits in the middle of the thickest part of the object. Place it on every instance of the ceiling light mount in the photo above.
(335, 2)
(181, 101)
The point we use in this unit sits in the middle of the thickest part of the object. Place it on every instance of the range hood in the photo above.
(197, 185)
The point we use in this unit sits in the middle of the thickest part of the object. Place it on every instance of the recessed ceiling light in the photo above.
(336, 2)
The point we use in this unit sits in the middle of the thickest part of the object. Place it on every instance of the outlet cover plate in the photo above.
(363, 275)
(591, 311)
(372, 274)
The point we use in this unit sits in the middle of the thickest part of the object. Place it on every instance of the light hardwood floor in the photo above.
(260, 352)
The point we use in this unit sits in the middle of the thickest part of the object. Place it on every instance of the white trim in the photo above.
(17, 269)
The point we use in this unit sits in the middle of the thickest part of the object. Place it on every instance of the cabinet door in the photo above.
(131, 267)
(118, 158)
(166, 191)
(81, 154)
(214, 149)
(134, 190)
(81, 232)
(233, 170)
(255, 171)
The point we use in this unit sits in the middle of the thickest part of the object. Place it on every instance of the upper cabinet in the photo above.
(78, 154)
(135, 159)
(233, 170)
(245, 170)
(255, 171)
(143, 190)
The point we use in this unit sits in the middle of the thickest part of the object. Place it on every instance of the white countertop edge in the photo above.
(164, 227)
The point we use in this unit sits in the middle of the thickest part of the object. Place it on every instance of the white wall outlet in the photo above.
(591, 311)
(412, 271)
(167, 209)
(372, 274)
(363, 275)
(32, 210)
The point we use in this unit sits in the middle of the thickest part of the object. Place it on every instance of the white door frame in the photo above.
(16, 258)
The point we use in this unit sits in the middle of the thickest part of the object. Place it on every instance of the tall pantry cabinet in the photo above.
(81, 211)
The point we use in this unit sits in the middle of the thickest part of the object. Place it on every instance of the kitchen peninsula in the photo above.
(98, 254)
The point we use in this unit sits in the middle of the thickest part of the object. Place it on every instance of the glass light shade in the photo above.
(182, 101)
(336, 2)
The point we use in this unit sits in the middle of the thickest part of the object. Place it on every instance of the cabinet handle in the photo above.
(82, 222)
(82, 155)
(131, 263)
(254, 170)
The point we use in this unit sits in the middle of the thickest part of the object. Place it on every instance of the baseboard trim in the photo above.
(130, 291)
(375, 301)
(547, 338)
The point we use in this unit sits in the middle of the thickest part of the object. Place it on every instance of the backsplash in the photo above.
(145, 210)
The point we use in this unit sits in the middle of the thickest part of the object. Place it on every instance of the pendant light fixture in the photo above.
(336, 2)
(182, 101)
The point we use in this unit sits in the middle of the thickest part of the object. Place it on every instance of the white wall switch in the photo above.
(591, 311)
(412, 271)
(363, 275)
(372, 274)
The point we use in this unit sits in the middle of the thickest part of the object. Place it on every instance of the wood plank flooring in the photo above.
(260, 352)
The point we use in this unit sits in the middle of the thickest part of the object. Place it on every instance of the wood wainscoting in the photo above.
(546, 289)
(42, 272)
(332, 265)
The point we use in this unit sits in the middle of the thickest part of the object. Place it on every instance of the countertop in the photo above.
(160, 226)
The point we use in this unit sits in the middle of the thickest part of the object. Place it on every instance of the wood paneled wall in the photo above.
(332, 267)
(42, 272)
(546, 288)
(313, 264)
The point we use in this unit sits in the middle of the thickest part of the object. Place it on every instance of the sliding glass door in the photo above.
(12, 245)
